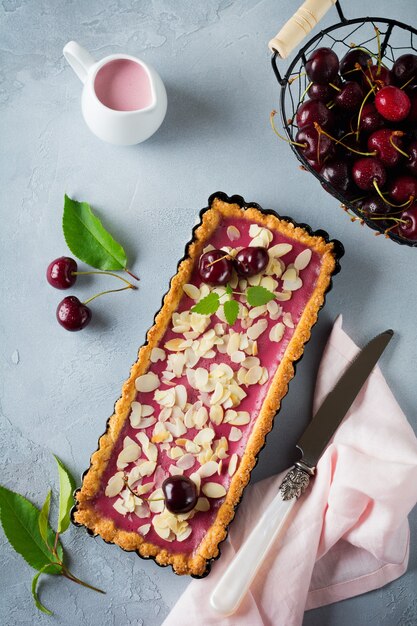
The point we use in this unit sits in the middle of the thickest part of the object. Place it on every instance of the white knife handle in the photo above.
(237, 579)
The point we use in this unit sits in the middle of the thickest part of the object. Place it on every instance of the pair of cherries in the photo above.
(215, 267)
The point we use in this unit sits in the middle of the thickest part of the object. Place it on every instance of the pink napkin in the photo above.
(349, 532)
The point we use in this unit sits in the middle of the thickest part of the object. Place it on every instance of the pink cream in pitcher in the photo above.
(123, 85)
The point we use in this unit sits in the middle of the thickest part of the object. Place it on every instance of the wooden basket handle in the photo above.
(299, 25)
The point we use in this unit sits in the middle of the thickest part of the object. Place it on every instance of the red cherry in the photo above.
(314, 111)
(72, 314)
(392, 103)
(412, 116)
(338, 175)
(380, 142)
(214, 271)
(409, 228)
(348, 68)
(350, 97)
(180, 494)
(324, 93)
(251, 261)
(60, 273)
(322, 65)
(367, 170)
(371, 120)
(405, 69)
(317, 146)
(411, 163)
(402, 188)
(378, 75)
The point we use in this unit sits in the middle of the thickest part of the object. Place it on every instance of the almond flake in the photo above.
(142, 489)
(280, 249)
(177, 429)
(208, 469)
(235, 434)
(216, 414)
(180, 396)
(213, 490)
(277, 332)
(143, 439)
(115, 485)
(175, 471)
(232, 464)
(165, 397)
(204, 436)
(303, 259)
(177, 345)
(127, 455)
(120, 507)
(234, 343)
(264, 377)
(147, 410)
(241, 419)
(257, 329)
(136, 414)
(290, 274)
(186, 462)
(254, 230)
(287, 319)
(191, 291)
(202, 505)
(159, 505)
(237, 357)
(151, 452)
(254, 348)
(282, 296)
(147, 468)
(182, 536)
(293, 285)
(147, 382)
(201, 417)
(142, 510)
(144, 529)
(253, 375)
(218, 392)
(257, 311)
(196, 478)
(233, 233)
(145, 422)
(157, 354)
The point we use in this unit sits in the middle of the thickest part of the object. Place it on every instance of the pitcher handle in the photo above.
(79, 59)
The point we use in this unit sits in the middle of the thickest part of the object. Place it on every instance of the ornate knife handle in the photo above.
(296, 481)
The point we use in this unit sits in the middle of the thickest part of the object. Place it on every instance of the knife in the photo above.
(239, 575)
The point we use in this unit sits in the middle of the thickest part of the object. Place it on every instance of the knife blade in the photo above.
(238, 576)
(337, 403)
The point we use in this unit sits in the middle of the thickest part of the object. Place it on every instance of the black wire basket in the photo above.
(396, 39)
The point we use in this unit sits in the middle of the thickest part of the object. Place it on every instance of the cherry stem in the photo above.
(303, 95)
(294, 143)
(125, 479)
(396, 206)
(102, 293)
(408, 82)
(364, 49)
(106, 274)
(321, 131)
(371, 91)
(294, 78)
(67, 574)
(398, 133)
(360, 68)
(378, 40)
(131, 274)
(335, 87)
(226, 256)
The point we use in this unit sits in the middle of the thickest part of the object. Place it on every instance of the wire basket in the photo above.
(396, 37)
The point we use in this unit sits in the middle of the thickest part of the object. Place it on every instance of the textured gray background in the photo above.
(58, 388)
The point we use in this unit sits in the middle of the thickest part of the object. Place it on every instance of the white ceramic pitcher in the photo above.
(118, 125)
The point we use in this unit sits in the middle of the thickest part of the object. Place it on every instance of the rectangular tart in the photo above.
(203, 394)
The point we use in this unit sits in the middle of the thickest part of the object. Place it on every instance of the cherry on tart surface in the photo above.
(251, 261)
(405, 70)
(403, 188)
(348, 63)
(350, 97)
(314, 111)
(60, 273)
(380, 142)
(214, 268)
(408, 226)
(392, 103)
(180, 494)
(72, 314)
(367, 170)
(322, 65)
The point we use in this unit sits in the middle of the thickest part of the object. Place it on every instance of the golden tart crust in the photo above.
(198, 563)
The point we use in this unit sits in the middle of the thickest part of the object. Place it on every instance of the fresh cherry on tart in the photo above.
(215, 267)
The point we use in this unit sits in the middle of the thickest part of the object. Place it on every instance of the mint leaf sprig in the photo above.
(28, 530)
(255, 296)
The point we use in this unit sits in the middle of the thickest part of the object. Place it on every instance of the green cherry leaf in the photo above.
(66, 498)
(231, 311)
(207, 305)
(39, 605)
(87, 238)
(256, 296)
(43, 520)
(229, 290)
(20, 521)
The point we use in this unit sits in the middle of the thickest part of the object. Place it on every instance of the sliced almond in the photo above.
(257, 311)
(196, 478)
(147, 410)
(208, 469)
(293, 285)
(147, 468)
(280, 249)
(257, 329)
(201, 417)
(144, 529)
(115, 485)
(303, 259)
(232, 464)
(237, 356)
(177, 345)
(147, 382)
(216, 414)
(233, 233)
(175, 471)
(235, 434)
(184, 534)
(242, 418)
(287, 319)
(130, 453)
(253, 375)
(191, 291)
(157, 354)
(277, 332)
(282, 296)
(120, 507)
(156, 502)
(151, 452)
(202, 505)
(186, 462)
(204, 436)
(213, 490)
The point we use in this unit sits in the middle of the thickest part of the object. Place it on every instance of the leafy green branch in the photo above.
(29, 532)
(255, 296)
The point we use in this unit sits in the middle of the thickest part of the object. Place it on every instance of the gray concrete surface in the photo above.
(57, 388)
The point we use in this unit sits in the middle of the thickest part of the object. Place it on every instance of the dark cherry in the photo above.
(405, 69)
(180, 494)
(322, 65)
(380, 142)
(409, 228)
(349, 61)
(392, 103)
(60, 272)
(324, 93)
(315, 149)
(250, 261)
(371, 120)
(412, 115)
(315, 165)
(314, 111)
(402, 188)
(337, 173)
(375, 209)
(73, 314)
(377, 75)
(411, 163)
(367, 170)
(350, 97)
(218, 273)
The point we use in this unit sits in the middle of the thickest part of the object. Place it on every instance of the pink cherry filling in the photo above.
(270, 354)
